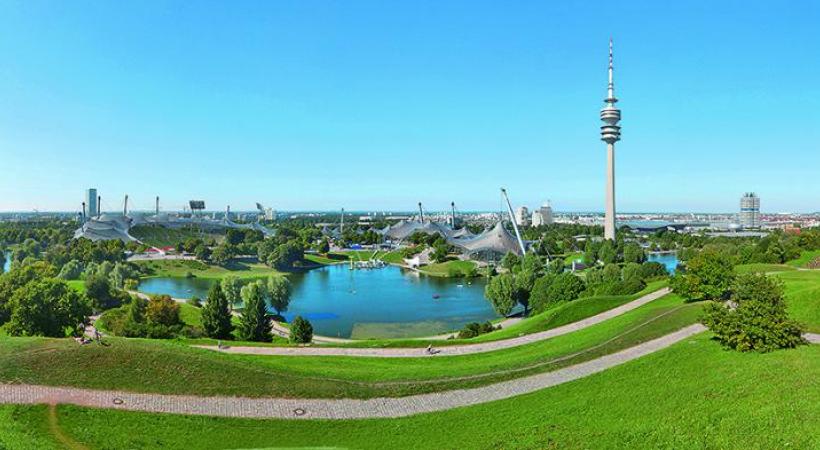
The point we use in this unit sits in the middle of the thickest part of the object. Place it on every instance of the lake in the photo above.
(366, 303)
(7, 264)
(670, 260)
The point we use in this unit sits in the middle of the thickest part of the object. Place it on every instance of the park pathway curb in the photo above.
(279, 408)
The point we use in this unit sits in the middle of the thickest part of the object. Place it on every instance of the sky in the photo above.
(318, 105)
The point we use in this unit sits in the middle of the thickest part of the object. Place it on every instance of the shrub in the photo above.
(474, 329)
(162, 310)
(708, 276)
(301, 331)
(653, 269)
(755, 319)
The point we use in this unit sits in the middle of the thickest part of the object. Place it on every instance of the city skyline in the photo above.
(372, 119)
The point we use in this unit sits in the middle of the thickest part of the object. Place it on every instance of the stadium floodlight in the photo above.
(197, 205)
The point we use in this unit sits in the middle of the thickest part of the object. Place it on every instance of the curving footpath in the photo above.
(451, 350)
(280, 408)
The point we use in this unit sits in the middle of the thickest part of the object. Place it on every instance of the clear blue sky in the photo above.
(319, 105)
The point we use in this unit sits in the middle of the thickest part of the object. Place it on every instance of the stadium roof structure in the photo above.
(495, 240)
(404, 228)
(117, 226)
(462, 233)
(105, 228)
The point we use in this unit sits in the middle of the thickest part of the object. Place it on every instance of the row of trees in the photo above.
(254, 322)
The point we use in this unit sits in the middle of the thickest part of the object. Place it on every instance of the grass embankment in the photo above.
(455, 268)
(806, 257)
(159, 236)
(803, 297)
(762, 268)
(181, 268)
(77, 285)
(692, 395)
(174, 368)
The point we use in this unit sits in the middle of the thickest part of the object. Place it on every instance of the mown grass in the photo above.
(172, 367)
(693, 395)
(77, 285)
(454, 268)
(802, 292)
(762, 268)
(806, 257)
(181, 268)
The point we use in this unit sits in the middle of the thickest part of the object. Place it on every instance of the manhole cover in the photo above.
(118, 401)
(299, 412)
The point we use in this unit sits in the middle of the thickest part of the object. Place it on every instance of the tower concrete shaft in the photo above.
(610, 133)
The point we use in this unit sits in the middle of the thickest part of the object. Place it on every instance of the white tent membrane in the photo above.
(495, 240)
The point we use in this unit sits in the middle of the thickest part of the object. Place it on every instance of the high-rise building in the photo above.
(750, 210)
(542, 216)
(610, 133)
(91, 202)
(522, 216)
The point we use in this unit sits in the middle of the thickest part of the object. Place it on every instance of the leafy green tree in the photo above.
(278, 290)
(566, 287)
(708, 276)
(253, 323)
(231, 288)
(286, 256)
(323, 247)
(524, 281)
(71, 270)
(162, 310)
(216, 314)
(301, 331)
(510, 261)
(222, 254)
(440, 252)
(502, 293)
(533, 263)
(103, 296)
(47, 307)
(653, 269)
(607, 254)
(633, 253)
(756, 317)
(202, 252)
(590, 252)
(540, 299)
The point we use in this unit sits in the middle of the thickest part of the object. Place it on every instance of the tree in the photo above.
(216, 314)
(254, 324)
(47, 307)
(323, 247)
(102, 295)
(70, 271)
(708, 276)
(286, 256)
(540, 299)
(566, 287)
(222, 254)
(510, 261)
(202, 252)
(633, 253)
(590, 252)
(502, 293)
(162, 310)
(524, 281)
(756, 318)
(231, 289)
(278, 289)
(607, 253)
(301, 331)
(440, 252)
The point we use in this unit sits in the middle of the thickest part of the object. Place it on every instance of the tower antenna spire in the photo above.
(611, 86)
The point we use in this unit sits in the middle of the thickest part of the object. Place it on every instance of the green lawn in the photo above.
(693, 395)
(803, 297)
(805, 257)
(762, 268)
(173, 367)
(180, 268)
(77, 285)
(454, 268)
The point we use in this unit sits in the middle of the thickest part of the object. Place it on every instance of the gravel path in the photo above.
(331, 408)
(447, 350)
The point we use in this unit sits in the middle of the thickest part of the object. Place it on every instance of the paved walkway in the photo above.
(450, 350)
(332, 408)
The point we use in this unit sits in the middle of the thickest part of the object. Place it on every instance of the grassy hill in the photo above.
(693, 395)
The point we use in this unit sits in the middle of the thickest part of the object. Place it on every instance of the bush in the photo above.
(708, 276)
(653, 269)
(301, 331)
(162, 310)
(474, 329)
(758, 321)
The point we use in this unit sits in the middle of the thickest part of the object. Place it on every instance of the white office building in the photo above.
(542, 216)
(749, 210)
(522, 216)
